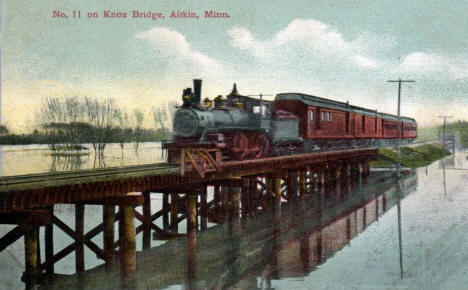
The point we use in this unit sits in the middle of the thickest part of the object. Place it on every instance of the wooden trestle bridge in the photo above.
(248, 186)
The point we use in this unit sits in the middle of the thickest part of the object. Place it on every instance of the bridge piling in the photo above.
(127, 246)
(31, 262)
(166, 210)
(49, 242)
(191, 203)
(253, 193)
(245, 199)
(174, 213)
(108, 215)
(204, 208)
(146, 220)
(79, 230)
(302, 181)
(277, 190)
(235, 201)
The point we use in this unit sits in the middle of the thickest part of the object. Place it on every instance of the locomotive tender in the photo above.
(244, 127)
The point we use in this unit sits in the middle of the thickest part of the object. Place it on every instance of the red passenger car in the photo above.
(326, 124)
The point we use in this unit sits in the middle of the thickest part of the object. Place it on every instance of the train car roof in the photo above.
(331, 104)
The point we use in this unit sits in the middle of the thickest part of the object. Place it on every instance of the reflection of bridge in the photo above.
(255, 186)
(286, 241)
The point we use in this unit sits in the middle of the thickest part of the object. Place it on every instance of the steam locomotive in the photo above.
(244, 127)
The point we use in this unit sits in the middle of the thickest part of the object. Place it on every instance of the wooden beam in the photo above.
(108, 214)
(79, 233)
(164, 211)
(36, 217)
(141, 218)
(11, 237)
(130, 199)
(49, 242)
(57, 257)
(146, 220)
(174, 213)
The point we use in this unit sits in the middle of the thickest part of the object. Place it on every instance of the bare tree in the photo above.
(171, 109)
(160, 117)
(103, 117)
(123, 133)
(61, 120)
(139, 117)
(163, 116)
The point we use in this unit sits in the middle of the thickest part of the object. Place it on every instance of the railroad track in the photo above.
(55, 178)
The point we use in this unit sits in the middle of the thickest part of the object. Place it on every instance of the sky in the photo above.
(341, 50)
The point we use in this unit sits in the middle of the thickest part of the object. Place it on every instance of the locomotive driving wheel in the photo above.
(240, 146)
(259, 145)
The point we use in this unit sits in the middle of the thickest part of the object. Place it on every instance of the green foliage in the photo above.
(431, 133)
(461, 127)
(3, 130)
(426, 134)
(412, 157)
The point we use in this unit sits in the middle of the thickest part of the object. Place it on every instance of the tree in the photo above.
(3, 130)
(160, 117)
(123, 133)
(139, 117)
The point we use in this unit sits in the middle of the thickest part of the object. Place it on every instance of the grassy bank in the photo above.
(412, 157)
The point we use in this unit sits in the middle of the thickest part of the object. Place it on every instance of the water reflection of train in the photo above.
(290, 242)
(246, 127)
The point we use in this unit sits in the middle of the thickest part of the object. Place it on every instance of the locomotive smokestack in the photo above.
(197, 90)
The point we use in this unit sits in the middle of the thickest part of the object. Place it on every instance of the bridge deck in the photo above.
(39, 190)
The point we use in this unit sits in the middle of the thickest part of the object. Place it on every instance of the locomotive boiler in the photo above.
(243, 127)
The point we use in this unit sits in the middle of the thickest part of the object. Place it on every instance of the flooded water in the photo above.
(27, 159)
(384, 233)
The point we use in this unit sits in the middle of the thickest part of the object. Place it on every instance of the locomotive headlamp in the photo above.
(207, 103)
(187, 96)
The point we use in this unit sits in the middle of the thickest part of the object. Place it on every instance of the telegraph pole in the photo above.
(399, 81)
(443, 132)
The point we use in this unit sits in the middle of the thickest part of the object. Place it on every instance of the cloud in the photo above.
(430, 64)
(243, 39)
(173, 49)
(363, 61)
(311, 36)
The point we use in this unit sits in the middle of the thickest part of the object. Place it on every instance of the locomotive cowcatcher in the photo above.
(241, 127)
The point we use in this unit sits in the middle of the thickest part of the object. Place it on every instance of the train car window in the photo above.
(363, 121)
(375, 125)
(256, 109)
(311, 115)
(330, 117)
(323, 116)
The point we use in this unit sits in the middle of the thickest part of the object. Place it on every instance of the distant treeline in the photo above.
(459, 126)
(65, 123)
(432, 133)
(146, 135)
